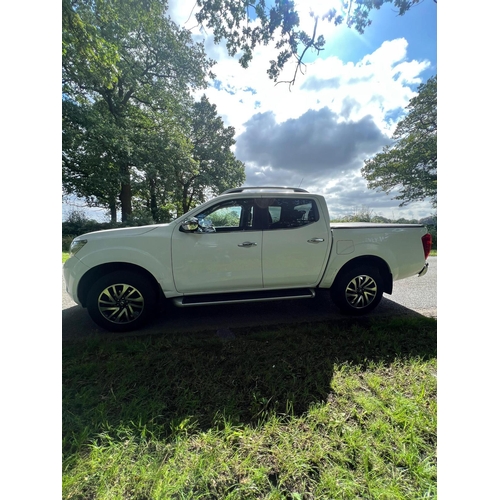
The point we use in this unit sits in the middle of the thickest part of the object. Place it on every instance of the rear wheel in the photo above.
(358, 290)
(121, 301)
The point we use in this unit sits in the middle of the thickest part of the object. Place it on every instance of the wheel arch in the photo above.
(370, 260)
(89, 278)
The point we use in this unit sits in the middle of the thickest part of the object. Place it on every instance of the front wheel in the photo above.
(358, 290)
(121, 301)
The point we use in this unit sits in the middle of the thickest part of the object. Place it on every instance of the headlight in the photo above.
(75, 246)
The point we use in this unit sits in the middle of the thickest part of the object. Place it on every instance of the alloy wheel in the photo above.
(361, 291)
(121, 303)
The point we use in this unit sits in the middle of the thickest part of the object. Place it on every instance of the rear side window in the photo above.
(287, 213)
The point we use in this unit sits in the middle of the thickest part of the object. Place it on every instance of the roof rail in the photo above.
(249, 188)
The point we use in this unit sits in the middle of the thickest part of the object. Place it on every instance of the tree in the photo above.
(160, 156)
(91, 145)
(178, 164)
(121, 60)
(202, 163)
(410, 163)
(280, 24)
(216, 167)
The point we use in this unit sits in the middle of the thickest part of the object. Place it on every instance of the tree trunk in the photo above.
(126, 201)
(112, 210)
(185, 203)
(154, 201)
(126, 194)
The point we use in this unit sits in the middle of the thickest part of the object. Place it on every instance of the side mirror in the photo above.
(190, 225)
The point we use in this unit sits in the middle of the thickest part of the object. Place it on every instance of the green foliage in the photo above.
(410, 163)
(128, 71)
(227, 219)
(280, 24)
(78, 223)
(66, 242)
(217, 169)
(133, 138)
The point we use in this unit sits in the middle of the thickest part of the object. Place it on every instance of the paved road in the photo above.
(411, 296)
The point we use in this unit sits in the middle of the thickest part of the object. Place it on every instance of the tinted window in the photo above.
(260, 213)
(288, 213)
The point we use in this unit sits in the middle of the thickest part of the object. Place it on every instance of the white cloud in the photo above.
(318, 134)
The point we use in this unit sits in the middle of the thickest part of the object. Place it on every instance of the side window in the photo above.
(231, 215)
(257, 214)
(287, 213)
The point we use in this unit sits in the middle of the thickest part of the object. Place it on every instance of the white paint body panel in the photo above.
(290, 259)
(211, 262)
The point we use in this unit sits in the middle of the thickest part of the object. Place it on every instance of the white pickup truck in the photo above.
(248, 244)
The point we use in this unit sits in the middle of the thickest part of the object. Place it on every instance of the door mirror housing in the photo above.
(198, 224)
(189, 225)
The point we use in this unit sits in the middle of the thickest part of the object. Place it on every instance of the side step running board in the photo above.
(259, 296)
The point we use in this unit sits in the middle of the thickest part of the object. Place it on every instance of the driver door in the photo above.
(228, 259)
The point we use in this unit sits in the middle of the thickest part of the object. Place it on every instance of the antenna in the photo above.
(301, 182)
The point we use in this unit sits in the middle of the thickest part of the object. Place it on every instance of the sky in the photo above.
(340, 112)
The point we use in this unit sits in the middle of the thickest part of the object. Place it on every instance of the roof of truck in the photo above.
(263, 189)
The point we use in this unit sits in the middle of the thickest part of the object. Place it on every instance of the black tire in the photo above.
(358, 290)
(121, 301)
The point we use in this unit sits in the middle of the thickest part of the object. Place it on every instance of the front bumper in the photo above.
(73, 270)
(423, 272)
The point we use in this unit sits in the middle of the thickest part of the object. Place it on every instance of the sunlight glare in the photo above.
(309, 9)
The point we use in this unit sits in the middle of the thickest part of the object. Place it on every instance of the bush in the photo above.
(66, 242)
(78, 223)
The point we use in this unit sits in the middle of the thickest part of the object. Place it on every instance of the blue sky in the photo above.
(418, 26)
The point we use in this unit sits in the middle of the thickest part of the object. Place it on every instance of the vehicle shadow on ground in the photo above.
(240, 364)
(76, 324)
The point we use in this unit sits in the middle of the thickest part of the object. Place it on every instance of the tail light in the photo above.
(427, 244)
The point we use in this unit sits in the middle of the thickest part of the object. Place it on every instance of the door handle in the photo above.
(247, 244)
(316, 240)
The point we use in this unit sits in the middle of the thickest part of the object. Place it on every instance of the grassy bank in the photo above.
(343, 409)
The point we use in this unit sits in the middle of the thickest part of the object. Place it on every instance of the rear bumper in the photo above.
(423, 272)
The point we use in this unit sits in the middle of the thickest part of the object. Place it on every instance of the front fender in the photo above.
(157, 264)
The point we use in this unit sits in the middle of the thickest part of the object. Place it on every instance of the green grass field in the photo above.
(336, 410)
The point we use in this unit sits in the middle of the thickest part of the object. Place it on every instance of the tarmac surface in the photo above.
(411, 296)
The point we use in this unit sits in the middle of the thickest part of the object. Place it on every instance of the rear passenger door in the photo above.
(295, 245)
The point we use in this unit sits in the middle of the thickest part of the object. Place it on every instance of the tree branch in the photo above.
(299, 59)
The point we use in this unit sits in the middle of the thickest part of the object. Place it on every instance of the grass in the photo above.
(335, 410)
